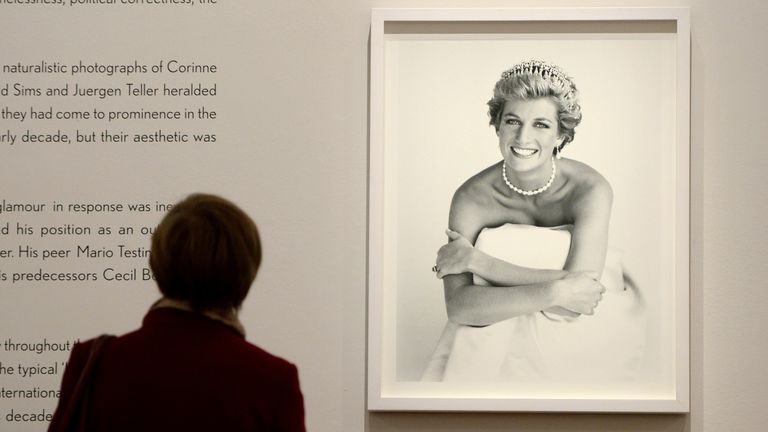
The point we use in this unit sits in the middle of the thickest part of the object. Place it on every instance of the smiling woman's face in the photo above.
(528, 133)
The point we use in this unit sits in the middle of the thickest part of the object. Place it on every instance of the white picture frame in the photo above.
(411, 181)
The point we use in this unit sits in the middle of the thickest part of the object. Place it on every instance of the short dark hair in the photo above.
(206, 252)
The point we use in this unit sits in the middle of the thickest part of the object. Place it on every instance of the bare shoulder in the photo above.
(588, 185)
(470, 202)
(477, 190)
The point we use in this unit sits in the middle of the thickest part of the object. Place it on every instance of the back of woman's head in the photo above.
(205, 252)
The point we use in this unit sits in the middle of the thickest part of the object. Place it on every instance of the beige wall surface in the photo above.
(728, 387)
(309, 104)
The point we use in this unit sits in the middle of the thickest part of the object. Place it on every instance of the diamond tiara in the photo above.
(549, 72)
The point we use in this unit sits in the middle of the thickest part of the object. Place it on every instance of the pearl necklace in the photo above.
(529, 192)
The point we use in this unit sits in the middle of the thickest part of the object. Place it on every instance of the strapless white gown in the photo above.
(607, 346)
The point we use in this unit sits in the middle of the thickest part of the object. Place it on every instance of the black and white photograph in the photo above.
(531, 212)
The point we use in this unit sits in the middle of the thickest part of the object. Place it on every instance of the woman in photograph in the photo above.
(528, 239)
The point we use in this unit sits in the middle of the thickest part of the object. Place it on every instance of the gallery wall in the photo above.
(298, 101)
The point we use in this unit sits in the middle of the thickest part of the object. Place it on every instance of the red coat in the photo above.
(182, 371)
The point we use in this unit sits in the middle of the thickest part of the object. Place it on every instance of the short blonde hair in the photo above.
(533, 80)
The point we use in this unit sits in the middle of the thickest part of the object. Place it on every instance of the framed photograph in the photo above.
(529, 210)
